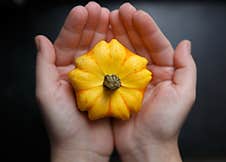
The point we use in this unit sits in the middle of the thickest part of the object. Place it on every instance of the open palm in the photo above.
(84, 27)
(170, 94)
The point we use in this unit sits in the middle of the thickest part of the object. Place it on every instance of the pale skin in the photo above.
(152, 134)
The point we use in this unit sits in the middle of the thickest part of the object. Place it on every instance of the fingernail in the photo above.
(188, 46)
(37, 42)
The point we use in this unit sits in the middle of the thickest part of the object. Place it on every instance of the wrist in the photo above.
(154, 152)
(78, 155)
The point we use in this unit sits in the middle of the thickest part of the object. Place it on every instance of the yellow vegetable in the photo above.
(110, 81)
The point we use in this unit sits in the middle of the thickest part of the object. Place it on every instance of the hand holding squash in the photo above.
(72, 136)
(167, 100)
(151, 135)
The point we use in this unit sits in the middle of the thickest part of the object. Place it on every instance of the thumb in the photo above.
(185, 74)
(46, 71)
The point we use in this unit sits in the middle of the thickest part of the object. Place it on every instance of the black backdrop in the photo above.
(24, 136)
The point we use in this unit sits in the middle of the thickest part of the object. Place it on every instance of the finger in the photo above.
(118, 30)
(126, 12)
(159, 48)
(46, 72)
(69, 36)
(185, 74)
(102, 27)
(94, 13)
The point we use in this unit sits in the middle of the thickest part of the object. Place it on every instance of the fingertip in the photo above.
(187, 45)
(126, 5)
(77, 15)
(76, 19)
(76, 9)
(183, 57)
(105, 10)
(126, 10)
(94, 14)
(183, 48)
(45, 48)
(104, 14)
(37, 42)
(114, 12)
(38, 38)
(185, 41)
(92, 4)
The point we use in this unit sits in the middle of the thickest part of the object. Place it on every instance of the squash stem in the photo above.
(111, 82)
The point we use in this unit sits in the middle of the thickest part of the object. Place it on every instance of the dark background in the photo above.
(204, 23)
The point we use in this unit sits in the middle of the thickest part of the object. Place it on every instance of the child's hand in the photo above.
(72, 136)
(152, 134)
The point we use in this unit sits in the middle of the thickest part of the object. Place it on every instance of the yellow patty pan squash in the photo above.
(109, 81)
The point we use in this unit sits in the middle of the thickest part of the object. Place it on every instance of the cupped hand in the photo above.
(72, 135)
(151, 135)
